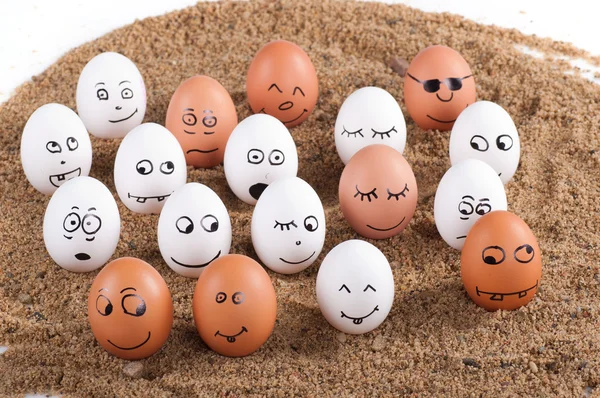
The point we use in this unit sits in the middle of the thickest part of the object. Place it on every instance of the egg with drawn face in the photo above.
(485, 131)
(149, 166)
(55, 147)
(469, 190)
(194, 229)
(288, 226)
(355, 287)
(111, 95)
(370, 115)
(82, 225)
(259, 151)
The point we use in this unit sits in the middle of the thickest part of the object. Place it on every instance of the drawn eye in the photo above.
(255, 156)
(524, 254)
(126, 93)
(91, 223)
(133, 305)
(53, 147)
(167, 167)
(493, 255)
(311, 224)
(479, 143)
(367, 195)
(287, 226)
(103, 305)
(238, 298)
(397, 195)
(504, 142)
(185, 225)
(465, 208)
(209, 121)
(72, 143)
(189, 119)
(369, 287)
(209, 223)
(71, 222)
(298, 89)
(276, 157)
(352, 133)
(483, 208)
(383, 134)
(102, 94)
(275, 86)
(144, 167)
(344, 287)
(221, 297)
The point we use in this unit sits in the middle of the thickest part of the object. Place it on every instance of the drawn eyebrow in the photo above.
(74, 207)
(484, 200)
(124, 81)
(207, 111)
(91, 208)
(275, 85)
(102, 289)
(468, 196)
(299, 89)
(98, 83)
(128, 288)
(188, 109)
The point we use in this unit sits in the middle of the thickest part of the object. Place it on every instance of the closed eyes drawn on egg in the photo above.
(504, 142)
(479, 143)
(298, 89)
(397, 195)
(384, 134)
(287, 225)
(364, 290)
(275, 87)
(352, 133)
(365, 195)
(255, 156)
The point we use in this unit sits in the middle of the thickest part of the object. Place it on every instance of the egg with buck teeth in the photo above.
(370, 115)
(355, 287)
(149, 166)
(466, 192)
(485, 131)
(194, 229)
(82, 225)
(260, 150)
(55, 147)
(288, 226)
(111, 95)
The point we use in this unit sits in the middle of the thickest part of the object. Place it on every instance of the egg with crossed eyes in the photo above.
(378, 192)
(355, 287)
(485, 131)
(82, 225)
(468, 190)
(370, 115)
(288, 226)
(194, 229)
(149, 166)
(111, 95)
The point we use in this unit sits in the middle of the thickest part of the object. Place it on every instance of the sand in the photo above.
(435, 340)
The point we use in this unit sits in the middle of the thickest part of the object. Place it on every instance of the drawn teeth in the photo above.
(141, 200)
(161, 198)
(522, 294)
(357, 321)
(231, 339)
(61, 177)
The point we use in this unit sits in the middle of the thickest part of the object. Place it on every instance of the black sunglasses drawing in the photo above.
(433, 85)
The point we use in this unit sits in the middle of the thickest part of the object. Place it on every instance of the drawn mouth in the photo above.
(131, 348)
(58, 179)
(257, 189)
(201, 151)
(128, 117)
(231, 339)
(387, 229)
(298, 262)
(199, 265)
(82, 256)
(443, 100)
(461, 237)
(500, 296)
(189, 132)
(143, 199)
(293, 120)
(358, 321)
(209, 132)
(441, 121)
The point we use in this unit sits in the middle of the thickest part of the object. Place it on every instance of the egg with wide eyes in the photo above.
(201, 115)
(438, 86)
(282, 82)
(130, 309)
(501, 262)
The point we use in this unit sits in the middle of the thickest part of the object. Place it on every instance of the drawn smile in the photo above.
(59, 179)
(128, 117)
(298, 262)
(231, 339)
(201, 151)
(358, 321)
(443, 100)
(387, 229)
(196, 266)
(293, 120)
(441, 121)
(500, 296)
(143, 199)
(131, 348)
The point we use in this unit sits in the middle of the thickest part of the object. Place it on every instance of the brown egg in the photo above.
(201, 115)
(378, 192)
(130, 309)
(438, 86)
(501, 262)
(282, 82)
(234, 305)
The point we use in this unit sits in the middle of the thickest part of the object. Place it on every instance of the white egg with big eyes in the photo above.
(82, 225)
(193, 229)
(55, 147)
(259, 151)
(111, 95)
(149, 167)
(370, 115)
(355, 287)
(288, 226)
(485, 131)
(468, 190)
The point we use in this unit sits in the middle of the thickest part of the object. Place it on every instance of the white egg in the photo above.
(55, 147)
(466, 192)
(149, 166)
(193, 229)
(485, 131)
(355, 287)
(82, 225)
(370, 115)
(259, 151)
(288, 226)
(111, 95)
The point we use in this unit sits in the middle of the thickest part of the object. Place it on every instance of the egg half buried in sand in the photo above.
(378, 192)
(282, 82)
(130, 309)
(501, 262)
(201, 115)
(234, 305)
(438, 86)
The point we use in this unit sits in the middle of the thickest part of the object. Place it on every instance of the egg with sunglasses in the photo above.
(370, 115)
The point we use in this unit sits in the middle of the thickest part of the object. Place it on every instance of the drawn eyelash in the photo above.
(397, 195)
(352, 133)
(382, 133)
(285, 225)
(368, 194)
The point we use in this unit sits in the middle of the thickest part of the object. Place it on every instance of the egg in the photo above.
(260, 150)
(370, 115)
(288, 226)
(355, 287)
(438, 86)
(55, 147)
(111, 95)
(485, 131)
(378, 192)
(467, 191)
(194, 229)
(149, 166)
(201, 115)
(130, 309)
(501, 262)
(234, 305)
(282, 82)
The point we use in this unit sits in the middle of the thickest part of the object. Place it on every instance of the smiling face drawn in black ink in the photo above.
(124, 92)
(256, 157)
(186, 226)
(237, 298)
(90, 224)
(468, 205)
(145, 167)
(372, 195)
(54, 147)
(287, 109)
(358, 320)
(311, 224)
